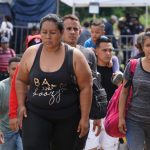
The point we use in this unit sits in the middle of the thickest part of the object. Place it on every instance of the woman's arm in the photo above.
(122, 103)
(84, 80)
(22, 80)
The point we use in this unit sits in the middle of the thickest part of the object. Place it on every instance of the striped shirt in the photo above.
(4, 58)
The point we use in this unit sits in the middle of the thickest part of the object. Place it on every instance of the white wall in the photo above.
(4, 1)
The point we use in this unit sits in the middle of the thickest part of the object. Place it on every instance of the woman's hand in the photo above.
(122, 126)
(97, 126)
(83, 127)
(14, 124)
(1, 138)
(22, 114)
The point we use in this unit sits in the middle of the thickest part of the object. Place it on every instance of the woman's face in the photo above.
(50, 34)
(146, 47)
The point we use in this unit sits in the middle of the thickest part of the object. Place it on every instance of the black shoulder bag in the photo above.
(99, 100)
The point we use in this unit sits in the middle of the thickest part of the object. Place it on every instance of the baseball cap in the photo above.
(4, 40)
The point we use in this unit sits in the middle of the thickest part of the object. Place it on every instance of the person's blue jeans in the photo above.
(12, 140)
(138, 133)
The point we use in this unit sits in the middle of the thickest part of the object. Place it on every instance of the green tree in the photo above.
(83, 13)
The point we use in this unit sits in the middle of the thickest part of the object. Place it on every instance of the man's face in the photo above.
(96, 32)
(72, 31)
(104, 52)
(5, 45)
(12, 68)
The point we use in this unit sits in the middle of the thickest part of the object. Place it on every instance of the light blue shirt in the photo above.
(89, 44)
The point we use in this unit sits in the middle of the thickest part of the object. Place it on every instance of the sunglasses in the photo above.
(147, 33)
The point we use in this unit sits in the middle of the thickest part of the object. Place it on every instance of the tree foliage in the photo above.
(83, 13)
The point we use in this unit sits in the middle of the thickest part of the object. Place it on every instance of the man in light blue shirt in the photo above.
(97, 30)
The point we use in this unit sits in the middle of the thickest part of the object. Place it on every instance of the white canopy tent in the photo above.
(110, 3)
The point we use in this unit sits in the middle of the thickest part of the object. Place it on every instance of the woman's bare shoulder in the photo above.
(31, 51)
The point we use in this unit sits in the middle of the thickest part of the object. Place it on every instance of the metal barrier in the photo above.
(125, 44)
(19, 38)
(125, 47)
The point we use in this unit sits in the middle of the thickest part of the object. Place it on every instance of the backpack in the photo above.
(32, 40)
(99, 99)
(112, 115)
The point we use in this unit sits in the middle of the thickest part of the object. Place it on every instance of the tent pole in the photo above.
(146, 20)
(73, 9)
(58, 7)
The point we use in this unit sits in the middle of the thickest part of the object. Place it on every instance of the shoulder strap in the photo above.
(69, 55)
(133, 63)
(37, 57)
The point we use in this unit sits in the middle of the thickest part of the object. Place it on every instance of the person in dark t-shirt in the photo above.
(52, 113)
(105, 68)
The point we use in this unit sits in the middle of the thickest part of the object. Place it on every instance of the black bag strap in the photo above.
(97, 80)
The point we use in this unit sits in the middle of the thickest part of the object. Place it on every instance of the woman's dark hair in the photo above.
(54, 18)
(145, 36)
(139, 41)
(103, 38)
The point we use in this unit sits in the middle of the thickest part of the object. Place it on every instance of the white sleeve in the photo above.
(3, 26)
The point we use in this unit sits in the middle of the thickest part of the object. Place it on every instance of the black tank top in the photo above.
(50, 94)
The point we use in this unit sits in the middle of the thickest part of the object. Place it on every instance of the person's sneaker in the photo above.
(117, 78)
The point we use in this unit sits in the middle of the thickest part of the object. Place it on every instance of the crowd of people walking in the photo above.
(44, 107)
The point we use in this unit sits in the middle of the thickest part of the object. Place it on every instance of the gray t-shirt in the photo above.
(4, 105)
(90, 57)
(139, 109)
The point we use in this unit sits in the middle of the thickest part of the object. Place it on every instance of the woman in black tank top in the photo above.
(53, 115)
